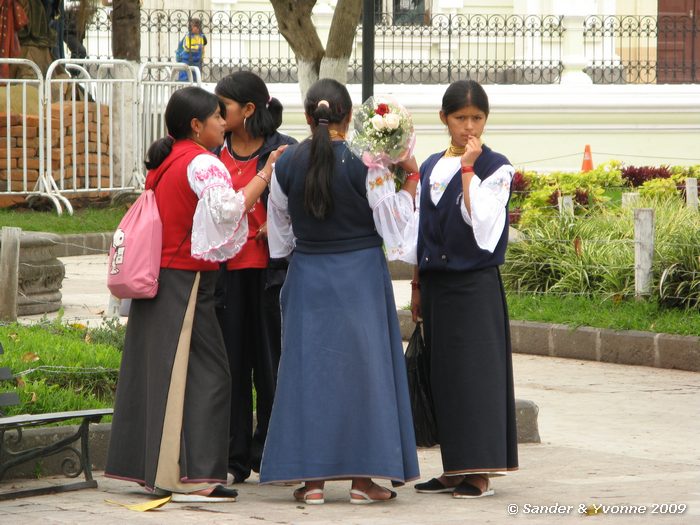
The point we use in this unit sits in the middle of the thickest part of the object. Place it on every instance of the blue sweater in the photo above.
(350, 225)
(445, 241)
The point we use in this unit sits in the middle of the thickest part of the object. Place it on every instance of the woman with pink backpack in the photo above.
(170, 427)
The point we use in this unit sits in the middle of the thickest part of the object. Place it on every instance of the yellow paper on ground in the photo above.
(143, 507)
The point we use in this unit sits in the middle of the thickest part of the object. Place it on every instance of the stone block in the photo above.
(400, 271)
(574, 343)
(526, 419)
(677, 351)
(530, 337)
(97, 243)
(406, 324)
(627, 347)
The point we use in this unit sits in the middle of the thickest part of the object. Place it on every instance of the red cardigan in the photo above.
(176, 205)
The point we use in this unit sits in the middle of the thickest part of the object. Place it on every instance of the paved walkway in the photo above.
(613, 435)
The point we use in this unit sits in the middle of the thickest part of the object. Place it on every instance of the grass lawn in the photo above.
(646, 316)
(84, 220)
(61, 367)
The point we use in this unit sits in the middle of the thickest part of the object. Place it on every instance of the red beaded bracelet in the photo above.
(467, 169)
(413, 176)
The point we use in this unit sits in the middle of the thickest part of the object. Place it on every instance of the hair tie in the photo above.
(323, 122)
(323, 103)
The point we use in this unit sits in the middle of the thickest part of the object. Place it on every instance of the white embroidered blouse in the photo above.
(393, 213)
(488, 199)
(220, 224)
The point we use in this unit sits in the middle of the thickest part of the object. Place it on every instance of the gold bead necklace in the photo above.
(454, 151)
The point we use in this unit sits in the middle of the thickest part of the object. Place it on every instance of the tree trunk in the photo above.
(126, 45)
(126, 30)
(295, 25)
(340, 39)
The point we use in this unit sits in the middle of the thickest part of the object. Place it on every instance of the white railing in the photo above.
(84, 129)
(22, 145)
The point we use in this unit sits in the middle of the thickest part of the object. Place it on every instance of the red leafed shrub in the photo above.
(581, 197)
(514, 216)
(554, 198)
(638, 175)
(519, 184)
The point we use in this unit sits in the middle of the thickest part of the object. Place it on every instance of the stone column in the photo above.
(573, 53)
(40, 274)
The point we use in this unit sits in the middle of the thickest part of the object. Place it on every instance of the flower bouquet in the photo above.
(383, 135)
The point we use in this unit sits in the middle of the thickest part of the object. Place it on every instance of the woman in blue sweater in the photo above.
(341, 409)
(457, 290)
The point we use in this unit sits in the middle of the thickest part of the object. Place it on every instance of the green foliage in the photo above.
(682, 172)
(59, 366)
(659, 189)
(587, 189)
(594, 256)
(677, 254)
(606, 175)
(568, 255)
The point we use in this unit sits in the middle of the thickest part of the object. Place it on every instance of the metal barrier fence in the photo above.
(91, 121)
(488, 48)
(22, 151)
(84, 129)
(642, 49)
(157, 81)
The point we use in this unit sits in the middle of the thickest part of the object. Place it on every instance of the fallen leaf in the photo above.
(142, 507)
(33, 398)
(30, 356)
(13, 336)
(20, 382)
(577, 246)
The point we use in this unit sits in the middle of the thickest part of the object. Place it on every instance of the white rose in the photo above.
(378, 122)
(392, 120)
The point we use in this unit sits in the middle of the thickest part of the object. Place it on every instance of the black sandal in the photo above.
(467, 490)
(434, 486)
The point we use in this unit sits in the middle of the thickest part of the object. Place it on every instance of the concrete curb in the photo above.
(629, 347)
(82, 244)
(526, 417)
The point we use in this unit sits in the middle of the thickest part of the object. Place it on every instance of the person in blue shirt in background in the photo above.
(190, 51)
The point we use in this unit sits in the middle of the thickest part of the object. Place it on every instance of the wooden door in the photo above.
(678, 42)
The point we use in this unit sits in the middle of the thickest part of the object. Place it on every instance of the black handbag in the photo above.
(420, 393)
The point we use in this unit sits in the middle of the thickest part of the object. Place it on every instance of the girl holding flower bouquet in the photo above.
(342, 408)
(457, 289)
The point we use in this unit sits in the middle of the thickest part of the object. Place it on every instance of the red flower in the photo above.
(382, 109)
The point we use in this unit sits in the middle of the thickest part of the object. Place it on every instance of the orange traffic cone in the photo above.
(587, 164)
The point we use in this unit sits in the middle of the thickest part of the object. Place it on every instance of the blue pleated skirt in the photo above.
(342, 407)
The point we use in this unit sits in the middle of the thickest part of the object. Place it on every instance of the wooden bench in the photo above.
(71, 468)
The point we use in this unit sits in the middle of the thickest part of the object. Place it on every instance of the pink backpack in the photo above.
(135, 253)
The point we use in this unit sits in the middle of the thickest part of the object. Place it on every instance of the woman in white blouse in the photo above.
(342, 409)
(457, 290)
(170, 426)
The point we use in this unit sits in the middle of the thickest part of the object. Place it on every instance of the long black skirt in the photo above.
(171, 415)
(468, 336)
